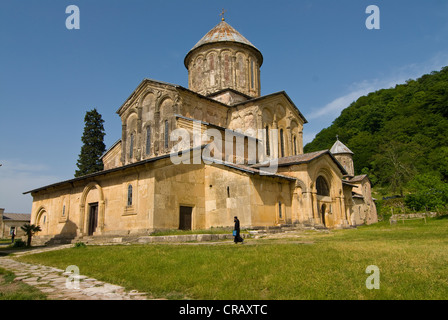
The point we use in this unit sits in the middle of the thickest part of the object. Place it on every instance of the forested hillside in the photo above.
(397, 134)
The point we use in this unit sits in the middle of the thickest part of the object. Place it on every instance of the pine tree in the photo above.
(93, 144)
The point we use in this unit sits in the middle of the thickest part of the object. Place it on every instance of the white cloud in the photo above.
(332, 110)
(17, 177)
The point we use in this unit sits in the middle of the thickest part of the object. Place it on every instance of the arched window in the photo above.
(166, 133)
(295, 145)
(280, 214)
(130, 195)
(322, 187)
(131, 146)
(282, 143)
(268, 148)
(148, 140)
(252, 74)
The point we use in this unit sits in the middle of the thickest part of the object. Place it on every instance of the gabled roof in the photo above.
(303, 159)
(359, 178)
(174, 86)
(16, 216)
(110, 148)
(249, 169)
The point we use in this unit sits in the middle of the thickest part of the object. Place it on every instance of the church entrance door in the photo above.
(323, 214)
(185, 218)
(93, 217)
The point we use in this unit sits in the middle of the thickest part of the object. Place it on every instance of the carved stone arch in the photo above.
(328, 177)
(241, 69)
(280, 111)
(84, 208)
(300, 184)
(212, 51)
(227, 68)
(129, 114)
(239, 51)
(199, 58)
(39, 214)
(162, 99)
(294, 125)
(42, 211)
(143, 96)
(267, 116)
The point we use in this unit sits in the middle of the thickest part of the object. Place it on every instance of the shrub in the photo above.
(80, 245)
(19, 243)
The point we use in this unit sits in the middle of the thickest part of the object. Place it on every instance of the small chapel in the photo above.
(142, 190)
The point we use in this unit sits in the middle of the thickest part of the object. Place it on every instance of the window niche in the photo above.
(148, 140)
(63, 214)
(130, 198)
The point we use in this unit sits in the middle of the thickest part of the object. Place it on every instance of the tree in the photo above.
(396, 133)
(93, 144)
(30, 231)
(428, 191)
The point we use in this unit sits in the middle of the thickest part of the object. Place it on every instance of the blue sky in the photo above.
(319, 52)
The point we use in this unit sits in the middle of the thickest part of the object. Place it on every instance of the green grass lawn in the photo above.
(412, 259)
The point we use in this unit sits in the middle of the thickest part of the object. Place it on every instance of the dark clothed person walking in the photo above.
(236, 230)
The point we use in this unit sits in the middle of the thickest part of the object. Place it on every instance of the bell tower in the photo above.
(344, 155)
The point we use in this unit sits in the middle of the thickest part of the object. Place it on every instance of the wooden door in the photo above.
(185, 214)
(93, 217)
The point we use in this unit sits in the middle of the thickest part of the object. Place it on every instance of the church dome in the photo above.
(223, 32)
(224, 59)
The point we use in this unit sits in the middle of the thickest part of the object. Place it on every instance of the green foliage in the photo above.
(397, 133)
(428, 192)
(19, 243)
(30, 230)
(93, 145)
(80, 245)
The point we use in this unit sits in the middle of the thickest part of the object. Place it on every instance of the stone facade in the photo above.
(143, 188)
(12, 221)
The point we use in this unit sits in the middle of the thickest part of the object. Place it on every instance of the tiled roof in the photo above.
(358, 178)
(221, 33)
(16, 216)
(303, 158)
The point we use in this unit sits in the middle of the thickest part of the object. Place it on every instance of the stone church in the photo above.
(142, 188)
